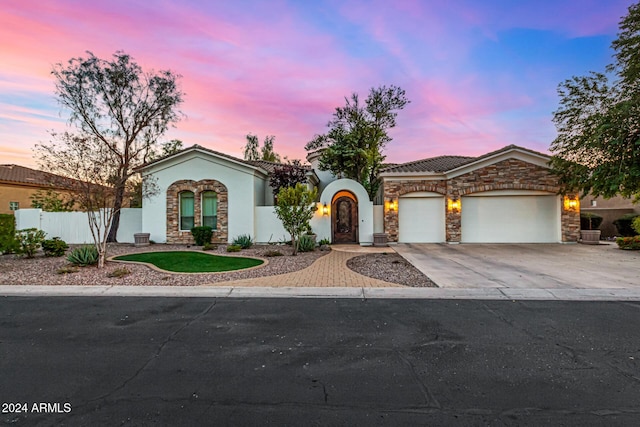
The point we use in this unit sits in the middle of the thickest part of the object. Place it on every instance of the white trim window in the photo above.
(187, 210)
(209, 203)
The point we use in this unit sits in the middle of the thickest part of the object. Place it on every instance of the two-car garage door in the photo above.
(511, 217)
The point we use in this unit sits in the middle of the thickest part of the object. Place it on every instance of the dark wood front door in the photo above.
(344, 213)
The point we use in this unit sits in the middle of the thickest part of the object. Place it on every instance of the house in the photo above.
(610, 210)
(19, 183)
(508, 195)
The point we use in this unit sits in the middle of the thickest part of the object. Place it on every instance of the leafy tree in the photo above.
(167, 149)
(252, 150)
(295, 209)
(51, 201)
(119, 112)
(287, 175)
(358, 134)
(597, 149)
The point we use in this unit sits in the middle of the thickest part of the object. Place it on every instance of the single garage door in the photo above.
(421, 218)
(511, 217)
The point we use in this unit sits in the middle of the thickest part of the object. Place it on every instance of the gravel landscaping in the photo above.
(41, 270)
(390, 267)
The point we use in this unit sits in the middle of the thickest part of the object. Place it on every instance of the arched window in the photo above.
(210, 209)
(186, 210)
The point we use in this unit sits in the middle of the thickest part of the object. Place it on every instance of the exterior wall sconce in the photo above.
(391, 205)
(571, 203)
(453, 205)
(325, 210)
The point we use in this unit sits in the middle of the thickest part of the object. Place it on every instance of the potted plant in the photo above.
(590, 228)
(310, 234)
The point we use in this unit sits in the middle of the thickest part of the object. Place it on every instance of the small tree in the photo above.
(252, 150)
(287, 175)
(295, 209)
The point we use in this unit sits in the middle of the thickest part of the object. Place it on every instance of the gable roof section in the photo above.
(432, 164)
(17, 174)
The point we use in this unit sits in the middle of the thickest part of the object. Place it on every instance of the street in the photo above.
(206, 361)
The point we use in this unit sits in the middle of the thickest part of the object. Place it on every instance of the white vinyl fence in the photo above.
(73, 227)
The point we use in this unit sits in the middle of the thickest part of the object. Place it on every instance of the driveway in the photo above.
(531, 266)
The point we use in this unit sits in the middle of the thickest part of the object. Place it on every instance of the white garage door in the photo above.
(421, 219)
(493, 217)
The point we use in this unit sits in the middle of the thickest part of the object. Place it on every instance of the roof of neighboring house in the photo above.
(22, 175)
(432, 164)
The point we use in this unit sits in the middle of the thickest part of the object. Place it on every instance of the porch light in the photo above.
(571, 203)
(325, 210)
(453, 205)
(391, 205)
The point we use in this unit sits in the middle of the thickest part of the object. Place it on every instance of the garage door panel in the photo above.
(510, 219)
(421, 220)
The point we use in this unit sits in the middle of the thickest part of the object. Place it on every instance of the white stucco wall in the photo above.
(238, 178)
(378, 219)
(268, 227)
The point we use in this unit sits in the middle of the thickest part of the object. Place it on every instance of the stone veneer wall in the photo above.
(174, 235)
(508, 174)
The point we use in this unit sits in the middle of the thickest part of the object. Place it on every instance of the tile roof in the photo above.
(432, 164)
(23, 175)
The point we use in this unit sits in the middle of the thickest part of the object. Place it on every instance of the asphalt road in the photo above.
(200, 361)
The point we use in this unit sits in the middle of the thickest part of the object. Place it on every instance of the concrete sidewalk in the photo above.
(326, 292)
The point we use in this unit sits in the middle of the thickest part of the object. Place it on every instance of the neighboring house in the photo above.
(610, 210)
(19, 183)
(508, 195)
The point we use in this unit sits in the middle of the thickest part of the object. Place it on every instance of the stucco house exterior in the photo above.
(508, 195)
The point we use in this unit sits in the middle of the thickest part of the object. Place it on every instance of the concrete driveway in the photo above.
(542, 266)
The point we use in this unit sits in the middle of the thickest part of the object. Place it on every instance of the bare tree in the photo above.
(120, 112)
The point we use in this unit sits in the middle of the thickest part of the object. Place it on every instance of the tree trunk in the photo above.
(115, 221)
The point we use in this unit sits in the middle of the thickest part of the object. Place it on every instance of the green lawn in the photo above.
(191, 262)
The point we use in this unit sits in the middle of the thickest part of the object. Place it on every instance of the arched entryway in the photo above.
(344, 218)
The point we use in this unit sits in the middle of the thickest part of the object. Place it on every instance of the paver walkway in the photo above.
(329, 271)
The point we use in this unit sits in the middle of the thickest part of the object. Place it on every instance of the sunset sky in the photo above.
(480, 74)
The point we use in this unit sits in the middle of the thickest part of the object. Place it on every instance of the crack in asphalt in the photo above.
(429, 398)
(156, 354)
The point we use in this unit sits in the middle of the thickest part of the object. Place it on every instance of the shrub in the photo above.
(119, 272)
(306, 243)
(29, 240)
(325, 242)
(202, 234)
(590, 221)
(244, 241)
(636, 224)
(629, 243)
(623, 224)
(234, 248)
(83, 256)
(209, 247)
(8, 242)
(54, 247)
(273, 253)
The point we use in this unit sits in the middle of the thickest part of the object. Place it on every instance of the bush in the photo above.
(67, 270)
(234, 248)
(54, 247)
(119, 272)
(325, 242)
(629, 243)
(83, 256)
(244, 241)
(306, 243)
(29, 240)
(590, 221)
(209, 247)
(202, 234)
(636, 224)
(623, 224)
(8, 242)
